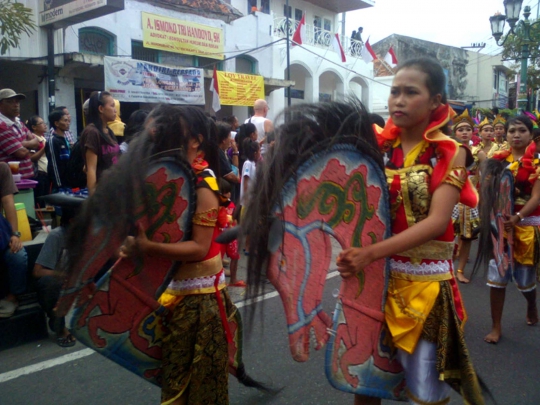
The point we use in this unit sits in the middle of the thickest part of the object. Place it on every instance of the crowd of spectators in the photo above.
(56, 159)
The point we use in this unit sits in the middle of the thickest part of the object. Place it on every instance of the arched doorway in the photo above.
(302, 92)
(359, 88)
(331, 86)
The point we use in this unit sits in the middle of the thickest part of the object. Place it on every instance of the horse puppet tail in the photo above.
(245, 379)
(491, 171)
(236, 362)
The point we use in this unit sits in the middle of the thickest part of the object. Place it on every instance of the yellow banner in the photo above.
(239, 89)
(172, 35)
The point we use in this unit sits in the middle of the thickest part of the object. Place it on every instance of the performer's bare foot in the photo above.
(461, 277)
(494, 336)
(532, 316)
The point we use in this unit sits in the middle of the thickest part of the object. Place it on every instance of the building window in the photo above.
(96, 41)
(287, 11)
(251, 6)
(295, 93)
(325, 97)
(495, 79)
(327, 25)
(265, 6)
(207, 63)
(245, 64)
(298, 14)
(139, 52)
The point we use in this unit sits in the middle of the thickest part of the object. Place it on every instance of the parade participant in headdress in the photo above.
(195, 351)
(499, 128)
(487, 147)
(521, 160)
(427, 176)
(465, 219)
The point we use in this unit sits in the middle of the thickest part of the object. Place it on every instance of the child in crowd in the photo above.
(225, 220)
(252, 151)
(50, 278)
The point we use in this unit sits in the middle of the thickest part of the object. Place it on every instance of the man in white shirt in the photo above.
(264, 125)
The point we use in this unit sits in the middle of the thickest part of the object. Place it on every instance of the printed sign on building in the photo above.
(172, 35)
(239, 89)
(68, 12)
(138, 81)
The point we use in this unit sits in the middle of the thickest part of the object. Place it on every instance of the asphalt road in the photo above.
(511, 369)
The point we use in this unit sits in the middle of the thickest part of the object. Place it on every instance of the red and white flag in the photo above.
(336, 43)
(367, 53)
(390, 58)
(214, 88)
(299, 35)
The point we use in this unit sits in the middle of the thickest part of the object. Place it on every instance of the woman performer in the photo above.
(195, 352)
(499, 128)
(487, 147)
(525, 224)
(426, 174)
(465, 219)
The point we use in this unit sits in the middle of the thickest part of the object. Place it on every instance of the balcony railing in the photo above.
(317, 36)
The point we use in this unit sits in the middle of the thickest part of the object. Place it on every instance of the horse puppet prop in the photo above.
(117, 313)
(319, 189)
(496, 205)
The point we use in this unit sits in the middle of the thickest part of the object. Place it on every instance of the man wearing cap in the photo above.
(16, 141)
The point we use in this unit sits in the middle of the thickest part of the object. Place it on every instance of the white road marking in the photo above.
(44, 365)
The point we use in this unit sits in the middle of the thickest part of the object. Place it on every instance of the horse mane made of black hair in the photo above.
(309, 128)
(491, 172)
(119, 194)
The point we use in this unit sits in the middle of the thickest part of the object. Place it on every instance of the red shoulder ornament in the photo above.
(447, 150)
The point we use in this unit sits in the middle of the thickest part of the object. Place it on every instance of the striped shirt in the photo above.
(12, 135)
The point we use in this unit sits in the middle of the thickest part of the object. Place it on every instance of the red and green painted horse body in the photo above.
(339, 194)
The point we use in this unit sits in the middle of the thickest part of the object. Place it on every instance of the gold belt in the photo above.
(432, 250)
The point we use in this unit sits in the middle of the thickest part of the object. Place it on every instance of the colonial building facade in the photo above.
(254, 42)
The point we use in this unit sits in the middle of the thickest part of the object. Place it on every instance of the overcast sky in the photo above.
(457, 22)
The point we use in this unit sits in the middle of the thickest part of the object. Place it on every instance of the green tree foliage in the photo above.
(512, 51)
(15, 20)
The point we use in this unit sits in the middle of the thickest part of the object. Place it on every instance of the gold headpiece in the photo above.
(499, 120)
(485, 122)
(463, 118)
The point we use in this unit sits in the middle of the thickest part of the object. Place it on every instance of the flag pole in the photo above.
(288, 54)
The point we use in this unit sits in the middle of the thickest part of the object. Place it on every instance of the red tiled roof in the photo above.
(206, 8)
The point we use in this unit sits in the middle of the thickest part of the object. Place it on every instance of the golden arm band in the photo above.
(206, 218)
(457, 177)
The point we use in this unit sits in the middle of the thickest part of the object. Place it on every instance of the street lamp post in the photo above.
(518, 28)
